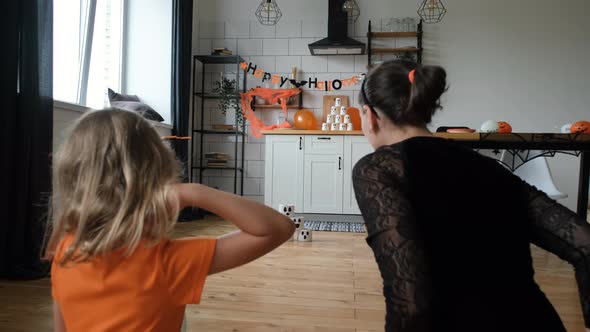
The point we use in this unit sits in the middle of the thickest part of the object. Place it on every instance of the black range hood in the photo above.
(337, 42)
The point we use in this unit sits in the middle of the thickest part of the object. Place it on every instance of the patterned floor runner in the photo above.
(335, 226)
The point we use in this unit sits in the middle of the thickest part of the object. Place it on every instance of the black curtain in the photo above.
(182, 31)
(26, 104)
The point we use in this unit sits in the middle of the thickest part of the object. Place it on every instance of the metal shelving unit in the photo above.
(198, 168)
(412, 34)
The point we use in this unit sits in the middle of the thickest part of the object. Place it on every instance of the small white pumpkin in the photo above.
(566, 128)
(489, 126)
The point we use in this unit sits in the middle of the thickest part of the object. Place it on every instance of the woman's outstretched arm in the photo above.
(557, 229)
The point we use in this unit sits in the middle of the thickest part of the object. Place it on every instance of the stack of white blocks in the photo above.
(337, 121)
(301, 234)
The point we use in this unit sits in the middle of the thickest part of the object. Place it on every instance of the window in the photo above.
(87, 50)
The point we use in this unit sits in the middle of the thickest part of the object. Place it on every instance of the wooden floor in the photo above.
(329, 285)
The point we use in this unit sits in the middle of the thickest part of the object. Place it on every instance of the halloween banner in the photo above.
(335, 84)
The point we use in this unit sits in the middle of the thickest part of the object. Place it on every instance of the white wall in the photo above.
(148, 53)
(523, 62)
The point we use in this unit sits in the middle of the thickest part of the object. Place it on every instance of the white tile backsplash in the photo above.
(250, 47)
(266, 63)
(340, 63)
(313, 99)
(284, 64)
(360, 63)
(275, 47)
(314, 64)
(314, 28)
(252, 151)
(211, 29)
(288, 29)
(205, 46)
(258, 30)
(300, 46)
(237, 29)
(254, 169)
(252, 186)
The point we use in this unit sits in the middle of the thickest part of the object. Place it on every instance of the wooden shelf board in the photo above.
(393, 50)
(311, 132)
(276, 106)
(392, 34)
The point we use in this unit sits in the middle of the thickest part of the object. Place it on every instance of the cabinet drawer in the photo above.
(324, 144)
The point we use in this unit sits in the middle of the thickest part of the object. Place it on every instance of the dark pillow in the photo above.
(132, 103)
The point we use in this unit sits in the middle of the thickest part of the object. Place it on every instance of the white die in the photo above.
(287, 209)
(305, 235)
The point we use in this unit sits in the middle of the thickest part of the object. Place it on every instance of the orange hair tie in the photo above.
(411, 75)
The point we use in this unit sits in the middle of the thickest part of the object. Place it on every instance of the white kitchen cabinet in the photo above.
(314, 172)
(355, 148)
(283, 183)
(322, 186)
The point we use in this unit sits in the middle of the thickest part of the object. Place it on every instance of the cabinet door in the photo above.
(355, 148)
(283, 174)
(323, 184)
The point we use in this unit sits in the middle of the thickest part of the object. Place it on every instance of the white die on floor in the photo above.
(287, 209)
(299, 222)
(305, 235)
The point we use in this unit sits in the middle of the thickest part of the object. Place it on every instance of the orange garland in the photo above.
(272, 96)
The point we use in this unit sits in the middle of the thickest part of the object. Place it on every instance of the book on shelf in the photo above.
(217, 156)
(217, 163)
(221, 51)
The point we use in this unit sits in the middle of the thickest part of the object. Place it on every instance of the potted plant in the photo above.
(228, 98)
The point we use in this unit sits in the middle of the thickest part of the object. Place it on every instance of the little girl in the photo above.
(116, 196)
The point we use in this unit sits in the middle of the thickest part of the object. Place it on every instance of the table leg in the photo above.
(583, 185)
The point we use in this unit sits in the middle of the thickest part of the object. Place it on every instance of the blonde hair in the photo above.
(111, 186)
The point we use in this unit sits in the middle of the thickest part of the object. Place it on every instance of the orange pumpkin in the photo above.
(355, 117)
(581, 127)
(504, 127)
(305, 119)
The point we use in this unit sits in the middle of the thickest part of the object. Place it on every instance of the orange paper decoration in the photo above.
(305, 119)
(582, 127)
(272, 96)
(504, 127)
(355, 117)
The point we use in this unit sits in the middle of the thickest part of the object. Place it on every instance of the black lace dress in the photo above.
(451, 233)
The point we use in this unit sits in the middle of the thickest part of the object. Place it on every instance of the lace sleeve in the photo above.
(560, 231)
(392, 236)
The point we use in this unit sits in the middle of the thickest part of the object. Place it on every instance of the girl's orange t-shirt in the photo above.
(147, 291)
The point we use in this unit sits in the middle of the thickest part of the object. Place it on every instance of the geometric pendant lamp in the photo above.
(432, 11)
(268, 12)
(352, 10)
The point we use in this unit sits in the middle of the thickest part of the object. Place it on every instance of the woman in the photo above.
(450, 229)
